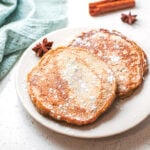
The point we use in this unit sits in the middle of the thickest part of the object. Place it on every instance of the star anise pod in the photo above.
(41, 48)
(128, 18)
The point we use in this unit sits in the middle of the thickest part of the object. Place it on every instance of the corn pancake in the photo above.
(71, 85)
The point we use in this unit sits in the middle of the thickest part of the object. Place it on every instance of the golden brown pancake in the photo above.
(72, 85)
(126, 59)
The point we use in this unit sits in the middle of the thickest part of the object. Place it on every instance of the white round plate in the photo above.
(123, 114)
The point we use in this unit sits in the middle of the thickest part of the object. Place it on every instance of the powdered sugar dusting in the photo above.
(81, 82)
(114, 58)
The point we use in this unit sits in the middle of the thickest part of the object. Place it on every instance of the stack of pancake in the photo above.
(80, 81)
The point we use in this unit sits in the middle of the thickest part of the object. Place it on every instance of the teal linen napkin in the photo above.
(24, 21)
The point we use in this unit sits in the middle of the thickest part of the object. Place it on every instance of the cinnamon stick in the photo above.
(104, 6)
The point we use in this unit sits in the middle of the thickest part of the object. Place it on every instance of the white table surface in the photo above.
(19, 131)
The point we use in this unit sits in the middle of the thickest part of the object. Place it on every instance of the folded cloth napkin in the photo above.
(24, 21)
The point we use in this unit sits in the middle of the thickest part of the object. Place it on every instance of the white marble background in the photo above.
(19, 131)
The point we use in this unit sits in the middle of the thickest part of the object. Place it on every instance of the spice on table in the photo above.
(41, 48)
(129, 18)
(104, 6)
